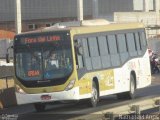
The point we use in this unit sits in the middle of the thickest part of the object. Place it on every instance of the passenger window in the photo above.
(112, 44)
(85, 47)
(122, 43)
(87, 56)
(137, 41)
(79, 56)
(113, 48)
(104, 53)
(103, 47)
(131, 42)
(143, 39)
(95, 54)
(93, 47)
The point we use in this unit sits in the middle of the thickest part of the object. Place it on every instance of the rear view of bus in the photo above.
(43, 66)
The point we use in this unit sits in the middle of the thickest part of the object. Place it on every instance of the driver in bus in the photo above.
(53, 62)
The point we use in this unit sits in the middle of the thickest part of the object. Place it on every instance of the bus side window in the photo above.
(121, 40)
(138, 43)
(115, 58)
(87, 54)
(131, 44)
(79, 53)
(94, 53)
(104, 51)
(143, 40)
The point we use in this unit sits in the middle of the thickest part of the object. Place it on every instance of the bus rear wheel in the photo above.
(94, 96)
(131, 93)
(39, 107)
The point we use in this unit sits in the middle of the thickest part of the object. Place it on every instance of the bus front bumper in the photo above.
(72, 94)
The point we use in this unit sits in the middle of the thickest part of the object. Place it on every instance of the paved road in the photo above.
(58, 110)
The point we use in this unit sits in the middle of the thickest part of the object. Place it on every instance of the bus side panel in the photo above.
(105, 81)
(144, 74)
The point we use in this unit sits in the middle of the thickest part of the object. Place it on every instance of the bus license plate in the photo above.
(45, 97)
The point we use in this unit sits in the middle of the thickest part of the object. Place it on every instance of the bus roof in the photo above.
(103, 28)
(83, 29)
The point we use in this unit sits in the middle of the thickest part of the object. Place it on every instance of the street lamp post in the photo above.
(18, 19)
(80, 10)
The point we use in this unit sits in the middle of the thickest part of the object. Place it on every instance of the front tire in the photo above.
(94, 95)
(39, 107)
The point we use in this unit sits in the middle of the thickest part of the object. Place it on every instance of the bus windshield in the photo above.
(43, 60)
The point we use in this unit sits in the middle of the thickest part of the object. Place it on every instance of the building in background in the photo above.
(44, 13)
(37, 14)
(41, 13)
(6, 40)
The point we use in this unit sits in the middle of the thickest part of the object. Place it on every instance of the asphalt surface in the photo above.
(63, 111)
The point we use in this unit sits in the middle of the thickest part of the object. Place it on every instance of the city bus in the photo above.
(83, 62)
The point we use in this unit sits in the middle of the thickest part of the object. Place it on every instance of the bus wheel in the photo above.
(39, 107)
(131, 93)
(94, 95)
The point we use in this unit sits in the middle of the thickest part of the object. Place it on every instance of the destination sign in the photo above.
(40, 39)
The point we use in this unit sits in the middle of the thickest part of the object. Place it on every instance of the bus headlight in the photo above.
(19, 90)
(70, 85)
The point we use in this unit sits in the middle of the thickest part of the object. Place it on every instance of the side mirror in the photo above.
(7, 54)
(7, 58)
(80, 50)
